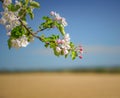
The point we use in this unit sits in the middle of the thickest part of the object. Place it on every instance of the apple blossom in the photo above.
(8, 33)
(2, 21)
(79, 50)
(7, 2)
(58, 18)
(65, 51)
(64, 45)
(15, 43)
(20, 34)
(80, 57)
(20, 42)
(58, 49)
(59, 41)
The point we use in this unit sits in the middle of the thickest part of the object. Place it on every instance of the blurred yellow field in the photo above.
(59, 85)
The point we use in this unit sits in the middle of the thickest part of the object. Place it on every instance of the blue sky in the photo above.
(93, 23)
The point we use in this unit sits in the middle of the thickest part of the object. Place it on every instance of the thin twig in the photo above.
(39, 30)
(33, 34)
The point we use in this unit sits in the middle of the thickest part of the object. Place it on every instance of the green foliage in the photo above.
(61, 29)
(22, 14)
(29, 11)
(13, 7)
(26, 2)
(48, 23)
(27, 8)
(72, 45)
(73, 54)
(34, 4)
(9, 43)
(18, 31)
(55, 52)
(51, 42)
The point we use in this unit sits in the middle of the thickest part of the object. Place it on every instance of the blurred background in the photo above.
(94, 24)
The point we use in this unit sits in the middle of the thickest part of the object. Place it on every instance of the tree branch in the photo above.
(33, 34)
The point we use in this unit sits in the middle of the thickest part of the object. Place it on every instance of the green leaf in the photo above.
(13, 7)
(18, 31)
(66, 55)
(31, 15)
(34, 4)
(22, 13)
(73, 55)
(46, 45)
(52, 45)
(26, 2)
(55, 52)
(29, 11)
(61, 29)
(72, 45)
(45, 18)
(9, 43)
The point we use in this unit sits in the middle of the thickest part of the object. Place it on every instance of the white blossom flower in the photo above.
(9, 33)
(58, 49)
(30, 0)
(8, 27)
(67, 38)
(68, 46)
(2, 21)
(17, 3)
(7, 2)
(9, 19)
(64, 44)
(58, 18)
(20, 42)
(63, 21)
(23, 41)
(66, 52)
(15, 43)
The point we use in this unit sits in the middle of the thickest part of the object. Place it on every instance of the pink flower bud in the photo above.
(63, 41)
(81, 49)
(59, 41)
(80, 57)
(52, 13)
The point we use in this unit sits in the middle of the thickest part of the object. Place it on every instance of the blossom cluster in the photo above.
(20, 34)
(7, 2)
(79, 50)
(63, 44)
(20, 42)
(58, 18)
(9, 18)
